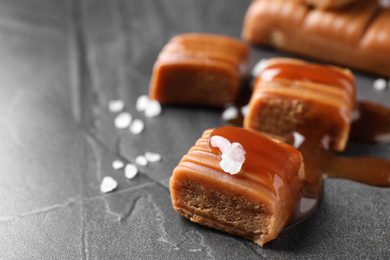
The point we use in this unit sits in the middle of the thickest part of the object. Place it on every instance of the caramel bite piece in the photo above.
(199, 69)
(316, 101)
(255, 200)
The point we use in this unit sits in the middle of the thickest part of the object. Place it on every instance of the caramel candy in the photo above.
(295, 96)
(199, 69)
(356, 36)
(255, 202)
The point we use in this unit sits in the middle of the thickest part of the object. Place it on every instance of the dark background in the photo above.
(61, 62)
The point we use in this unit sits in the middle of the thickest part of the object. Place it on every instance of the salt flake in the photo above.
(108, 184)
(130, 171)
(230, 113)
(116, 106)
(379, 84)
(298, 139)
(141, 160)
(137, 126)
(153, 108)
(244, 110)
(233, 154)
(259, 67)
(123, 120)
(117, 164)
(142, 103)
(152, 157)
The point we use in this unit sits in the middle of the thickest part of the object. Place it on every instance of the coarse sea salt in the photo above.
(142, 103)
(233, 154)
(108, 184)
(141, 160)
(153, 108)
(244, 110)
(380, 84)
(259, 67)
(117, 164)
(384, 3)
(298, 139)
(230, 113)
(137, 126)
(130, 171)
(116, 106)
(123, 120)
(152, 157)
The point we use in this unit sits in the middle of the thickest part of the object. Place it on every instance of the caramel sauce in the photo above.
(371, 126)
(308, 72)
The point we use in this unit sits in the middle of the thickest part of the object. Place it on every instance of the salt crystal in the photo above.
(384, 3)
(259, 67)
(153, 108)
(130, 171)
(152, 157)
(142, 103)
(298, 139)
(116, 106)
(108, 184)
(244, 110)
(221, 142)
(233, 154)
(380, 84)
(117, 164)
(230, 113)
(137, 126)
(123, 120)
(141, 160)
(233, 158)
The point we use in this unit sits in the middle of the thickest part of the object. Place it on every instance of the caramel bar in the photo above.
(256, 201)
(314, 100)
(199, 69)
(357, 36)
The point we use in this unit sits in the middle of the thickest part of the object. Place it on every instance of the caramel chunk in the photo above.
(295, 96)
(355, 36)
(256, 201)
(199, 69)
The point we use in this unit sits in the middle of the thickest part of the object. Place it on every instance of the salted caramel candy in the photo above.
(199, 69)
(314, 100)
(356, 36)
(239, 181)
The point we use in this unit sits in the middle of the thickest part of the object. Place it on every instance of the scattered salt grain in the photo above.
(141, 160)
(259, 67)
(298, 139)
(137, 126)
(117, 164)
(379, 84)
(153, 108)
(130, 171)
(108, 184)
(142, 103)
(152, 157)
(244, 110)
(230, 113)
(233, 154)
(123, 120)
(116, 106)
(384, 3)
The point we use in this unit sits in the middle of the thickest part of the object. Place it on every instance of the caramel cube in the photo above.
(255, 202)
(199, 69)
(316, 101)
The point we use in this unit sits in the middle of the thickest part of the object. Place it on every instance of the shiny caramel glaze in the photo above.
(268, 185)
(292, 95)
(199, 69)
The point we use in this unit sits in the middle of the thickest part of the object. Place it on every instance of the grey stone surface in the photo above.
(61, 63)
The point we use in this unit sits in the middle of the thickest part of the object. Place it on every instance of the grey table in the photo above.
(61, 62)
